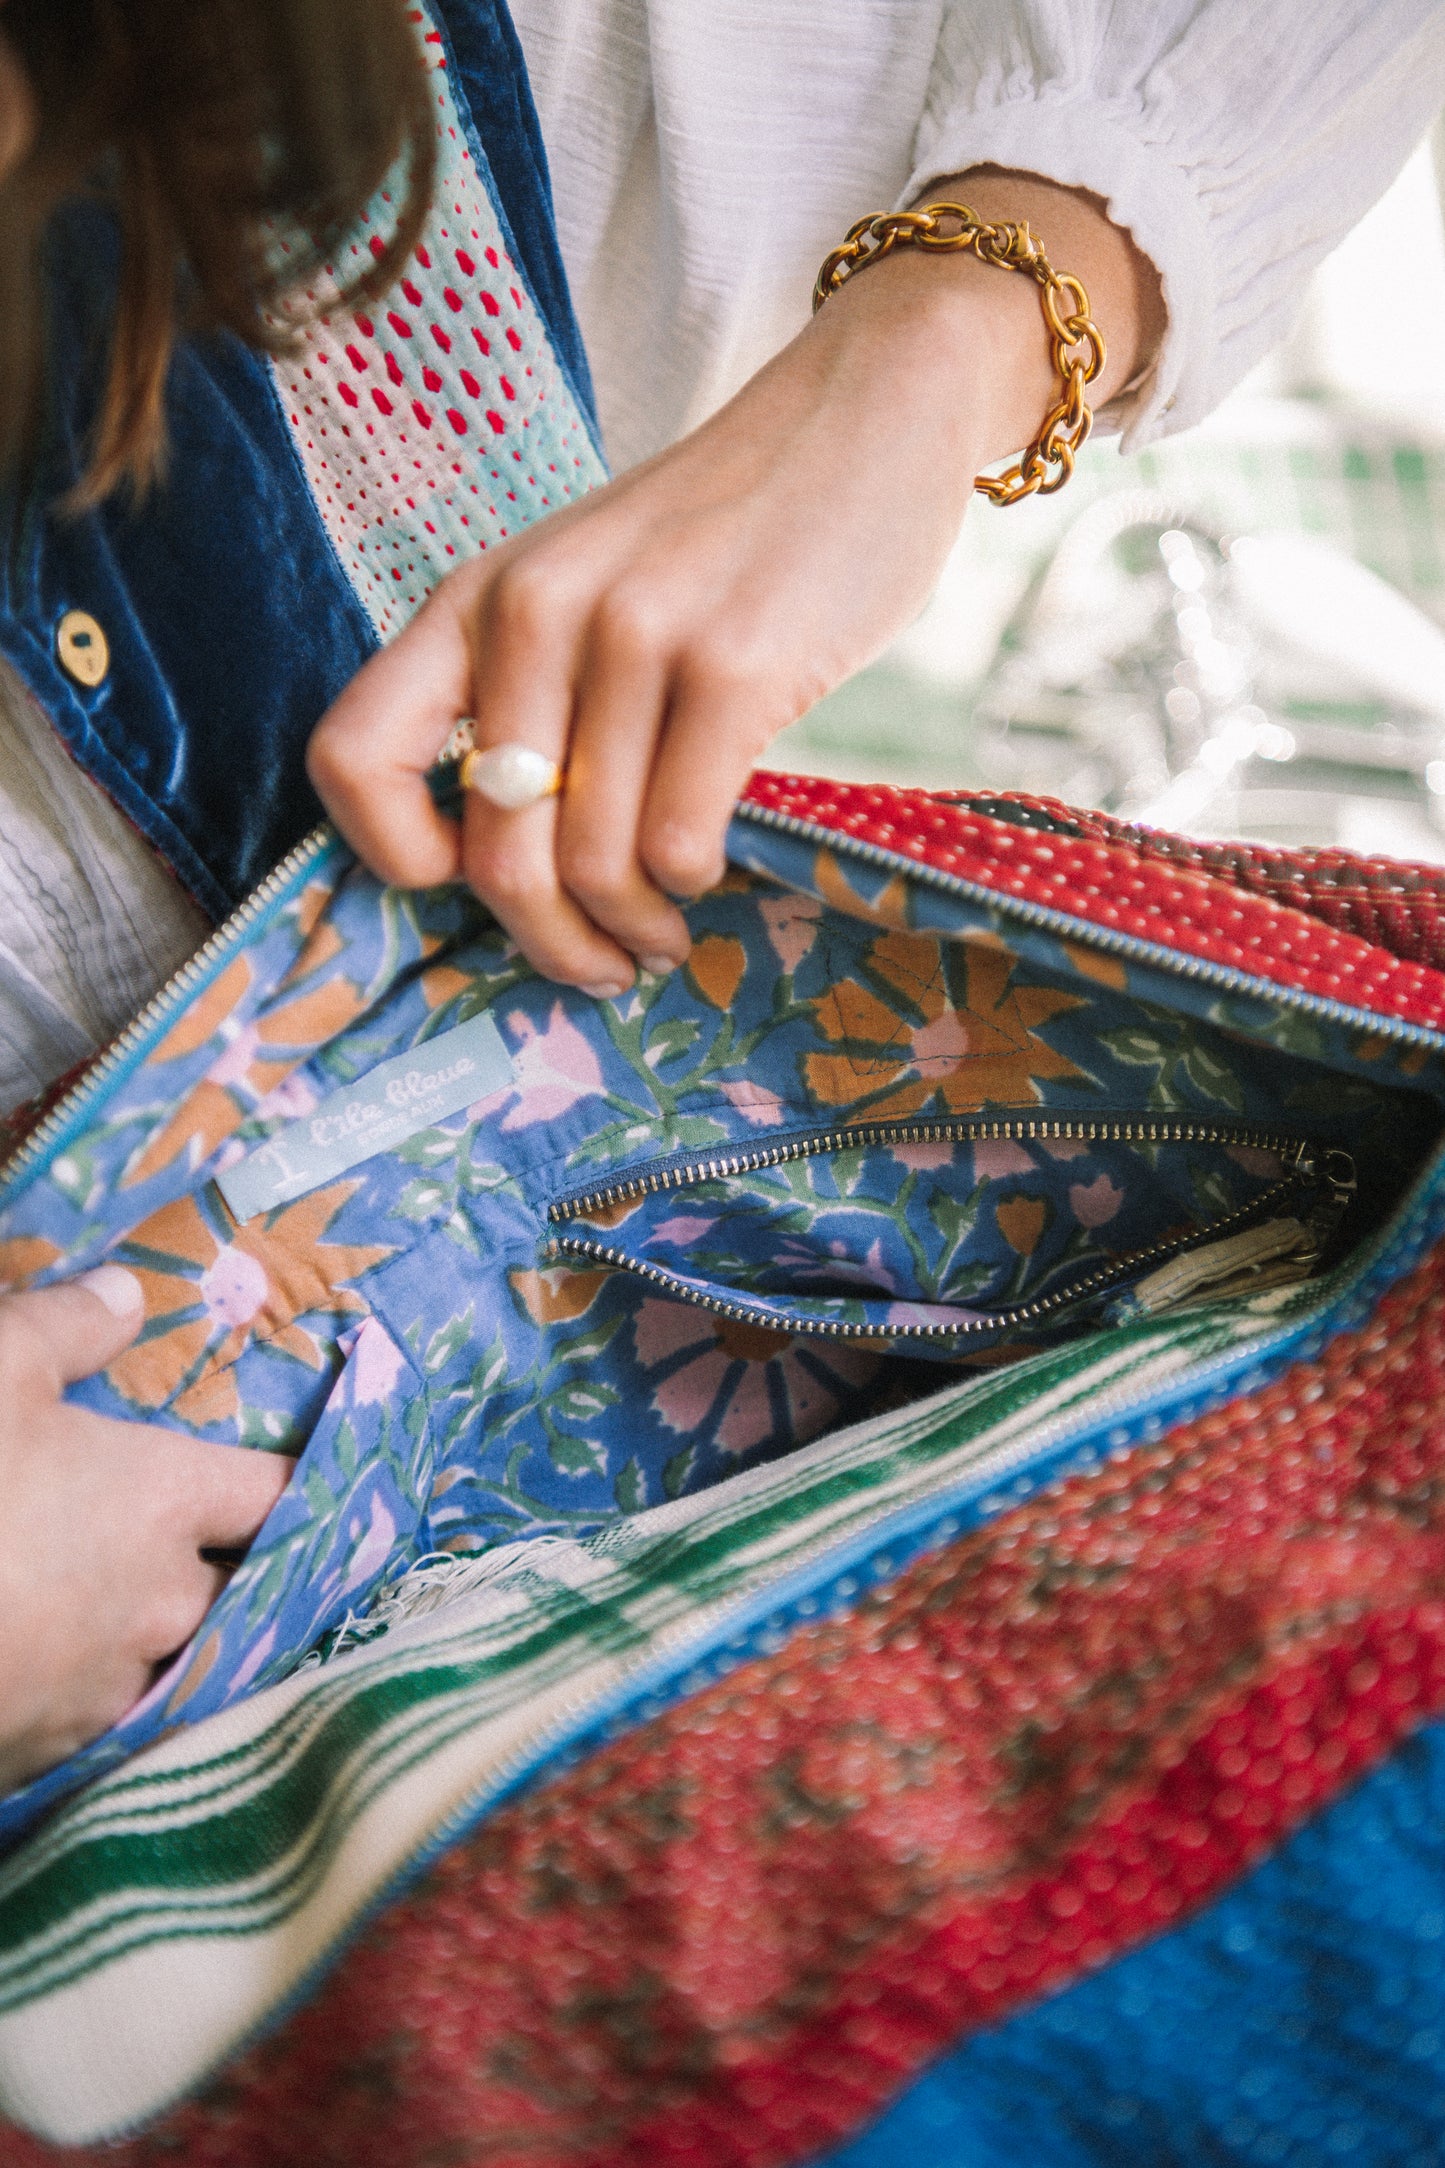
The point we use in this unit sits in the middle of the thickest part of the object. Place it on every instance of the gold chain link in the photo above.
(1075, 340)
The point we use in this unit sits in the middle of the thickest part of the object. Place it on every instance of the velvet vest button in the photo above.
(82, 649)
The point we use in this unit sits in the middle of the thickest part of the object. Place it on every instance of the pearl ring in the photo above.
(511, 775)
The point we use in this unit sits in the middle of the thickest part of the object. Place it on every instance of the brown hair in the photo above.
(215, 128)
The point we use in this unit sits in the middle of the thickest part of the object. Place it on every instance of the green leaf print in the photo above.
(582, 1403)
(588, 1344)
(347, 1458)
(676, 1471)
(1184, 1065)
(671, 1040)
(422, 1199)
(630, 1489)
(448, 1340)
(428, 1148)
(490, 1371)
(576, 1456)
(1140, 1049)
(318, 1495)
(1284, 1028)
(1212, 1077)
(267, 1429)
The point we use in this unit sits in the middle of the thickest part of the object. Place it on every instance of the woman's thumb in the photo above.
(74, 1327)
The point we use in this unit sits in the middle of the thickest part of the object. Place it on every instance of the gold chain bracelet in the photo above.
(1075, 339)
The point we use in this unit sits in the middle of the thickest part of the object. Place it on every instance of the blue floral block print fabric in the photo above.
(871, 1128)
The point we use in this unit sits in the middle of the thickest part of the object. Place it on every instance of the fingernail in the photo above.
(660, 965)
(607, 990)
(119, 1290)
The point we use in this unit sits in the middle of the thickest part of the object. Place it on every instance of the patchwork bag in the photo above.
(868, 1538)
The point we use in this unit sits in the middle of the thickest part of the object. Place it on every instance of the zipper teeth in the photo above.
(98, 1076)
(606, 1253)
(1083, 931)
(1094, 1130)
(177, 987)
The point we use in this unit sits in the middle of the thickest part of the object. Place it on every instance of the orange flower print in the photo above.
(205, 1118)
(441, 983)
(716, 968)
(718, 1377)
(832, 877)
(205, 1015)
(245, 1067)
(24, 1257)
(1021, 1221)
(309, 1019)
(943, 1027)
(209, 1297)
(559, 1294)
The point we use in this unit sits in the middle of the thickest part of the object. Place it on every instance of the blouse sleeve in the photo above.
(1236, 142)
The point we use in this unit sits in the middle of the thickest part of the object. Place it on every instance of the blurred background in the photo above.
(1239, 632)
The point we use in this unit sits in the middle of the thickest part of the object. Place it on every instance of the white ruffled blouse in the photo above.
(706, 154)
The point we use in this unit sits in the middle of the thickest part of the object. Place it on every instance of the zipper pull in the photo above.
(1338, 1169)
(1337, 1183)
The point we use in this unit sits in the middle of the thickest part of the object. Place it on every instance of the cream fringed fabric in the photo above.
(705, 158)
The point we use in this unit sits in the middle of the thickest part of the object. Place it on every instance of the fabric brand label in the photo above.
(380, 1110)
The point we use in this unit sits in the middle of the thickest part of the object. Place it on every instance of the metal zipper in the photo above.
(1332, 1170)
(1084, 932)
(812, 1144)
(178, 988)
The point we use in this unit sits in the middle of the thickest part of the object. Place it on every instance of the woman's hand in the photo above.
(101, 1527)
(656, 636)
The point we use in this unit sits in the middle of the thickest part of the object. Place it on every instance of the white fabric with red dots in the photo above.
(437, 422)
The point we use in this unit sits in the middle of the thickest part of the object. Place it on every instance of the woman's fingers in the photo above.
(526, 640)
(234, 1488)
(716, 731)
(370, 753)
(546, 644)
(622, 696)
(176, 1610)
(209, 1499)
(510, 859)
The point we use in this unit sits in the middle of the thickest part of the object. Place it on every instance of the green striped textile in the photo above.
(171, 1910)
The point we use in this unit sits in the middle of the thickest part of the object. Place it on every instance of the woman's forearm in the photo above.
(652, 638)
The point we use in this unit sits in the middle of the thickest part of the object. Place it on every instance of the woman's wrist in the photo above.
(971, 338)
(955, 347)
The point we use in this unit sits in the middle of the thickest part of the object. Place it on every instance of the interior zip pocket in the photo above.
(956, 1233)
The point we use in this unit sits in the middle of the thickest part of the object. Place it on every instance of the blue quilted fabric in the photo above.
(1297, 2023)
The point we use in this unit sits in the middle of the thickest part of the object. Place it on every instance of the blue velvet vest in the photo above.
(230, 621)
